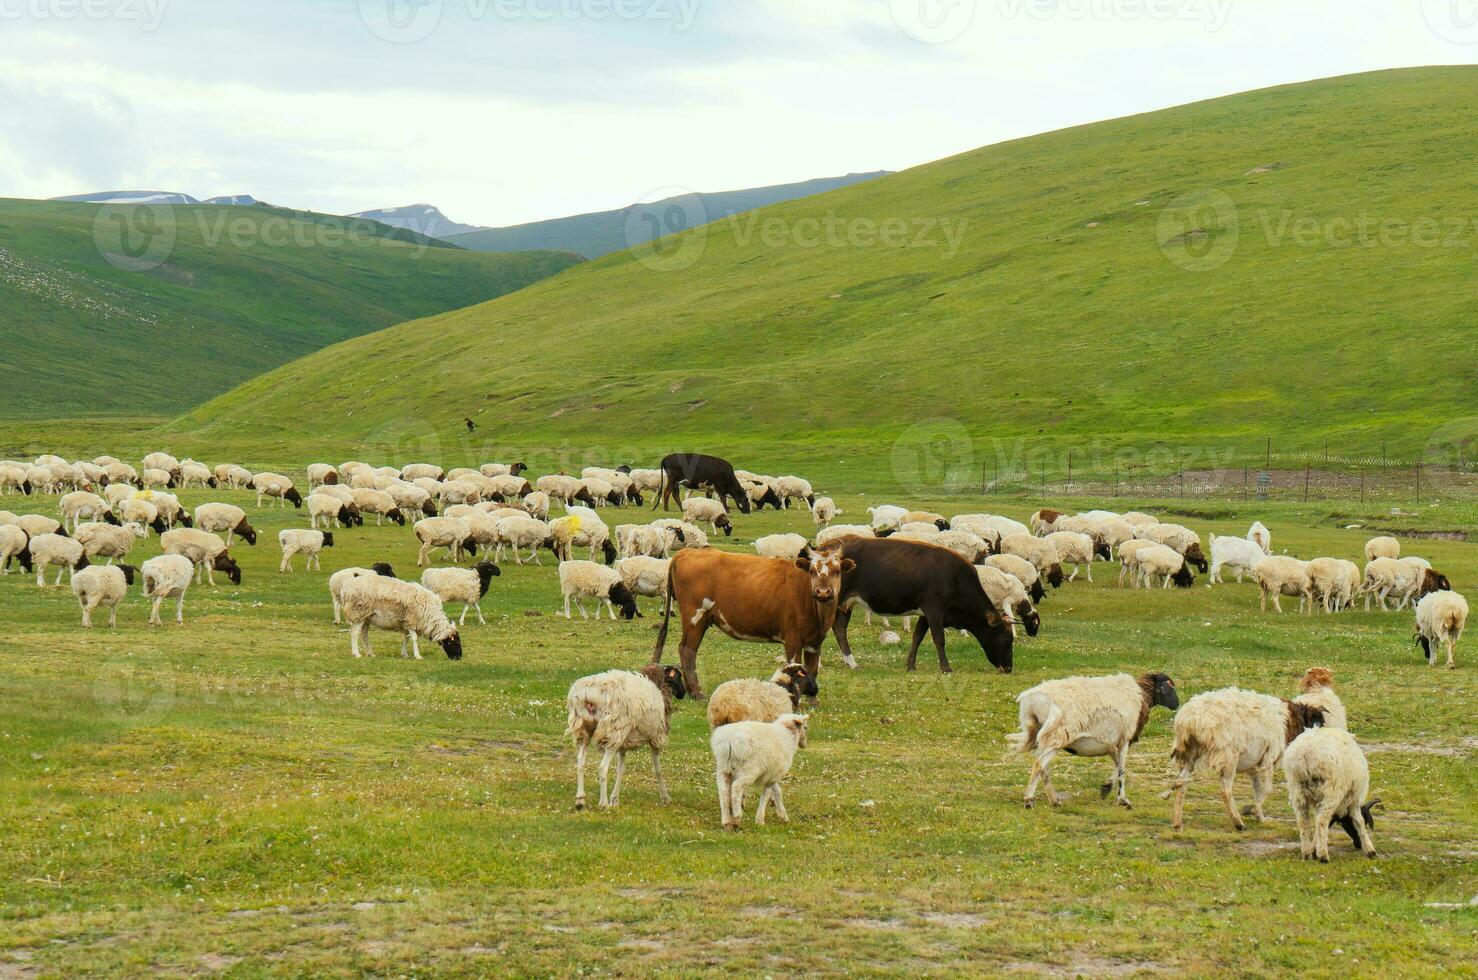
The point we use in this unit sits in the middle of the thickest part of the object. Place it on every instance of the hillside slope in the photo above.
(211, 297)
(1195, 277)
(603, 232)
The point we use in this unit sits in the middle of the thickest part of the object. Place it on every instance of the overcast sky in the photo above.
(503, 111)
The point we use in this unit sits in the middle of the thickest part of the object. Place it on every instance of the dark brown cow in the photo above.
(898, 578)
(703, 474)
(763, 600)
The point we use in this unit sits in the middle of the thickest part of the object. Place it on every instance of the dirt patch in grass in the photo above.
(1265, 848)
(1424, 748)
(955, 920)
(1089, 966)
(877, 924)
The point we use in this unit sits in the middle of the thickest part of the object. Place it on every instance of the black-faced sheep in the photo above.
(750, 699)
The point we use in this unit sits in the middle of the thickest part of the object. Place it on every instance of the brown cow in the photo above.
(763, 600)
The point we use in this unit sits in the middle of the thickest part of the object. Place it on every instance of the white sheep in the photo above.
(1163, 562)
(1074, 548)
(110, 541)
(581, 580)
(501, 469)
(967, 544)
(1182, 539)
(789, 488)
(15, 544)
(1328, 781)
(1041, 553)
(451, 533)
(1405, 579)
(137, 510)
(702, 510)
(1382, 547)
(1088, 716)
(753, 753)
(225, 518)
(464, 585)
(1259, 535)
(1334, 582)
(53, 549)
(787, 546)
(277, 486)
(413, 470)
(79, 506)
(619, 711)
(228, 474)
(1008, 594)
(404, 607)
(886, 517)
(837, 532)
(39, 524)
(102, 585)
(824, 511)
(537, 504)
(1232, 731)
(588, 530)
(1238, 555)
(751, 699)
(1280, 575)
(167, 577)
(319, 475)
(204, 549)
(154, 478)
(339, 579)
(302, 541)
(378, 502)
(1139, 519)
(691, 538)
(193, 473)
(644, 575)
(647, 540)
(1023, 571)
(519, 532)
(329, 508)
(1440, 619)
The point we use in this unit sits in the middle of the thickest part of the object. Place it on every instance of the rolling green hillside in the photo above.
(176, 305)
(1295, 262)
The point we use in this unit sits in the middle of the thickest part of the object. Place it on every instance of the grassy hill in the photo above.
(604, 232)
(1183, 280)
(202, 298)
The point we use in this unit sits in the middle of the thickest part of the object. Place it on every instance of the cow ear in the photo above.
(848, 564)
(993, 619)
(803, 562)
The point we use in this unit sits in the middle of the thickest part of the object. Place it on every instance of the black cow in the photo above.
(898, 578)
(698, 472)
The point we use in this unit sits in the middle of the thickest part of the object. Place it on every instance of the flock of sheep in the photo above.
(105, 506)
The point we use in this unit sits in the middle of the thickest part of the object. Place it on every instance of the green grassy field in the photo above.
(1198, 277)
(239, 795)
(178, 305)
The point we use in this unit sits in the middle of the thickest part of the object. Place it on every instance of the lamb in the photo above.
(1334, 582)
(1239, 555)
(581, 580)
(519, 533)
(331, 509)
(1406, 579)
(702, 510)
(229, 518)
(1077, 549)
(824, 511)
(1440, 618)
(54, 549)
(1182, 539)
(380, 503)
(278, 486)
(1023, 571)
(1328, 781)
(1259, 535)
(1041, 553)
(619, 711)
(302, 541)
(1090, 717)
(644, 575)
(339, 579)
(450, 533)
(837, 532)
(464, 585)
(1280, 575)
(749, 699)
(404, 607)
(108, 541)
(205, 550)
(79, 505)
(100, 585)
(886, 517)
(1008, 595)
(320, 475)
(1232, 731)
(750, 753)
(1382, 547)
(15, 544)
(787, 546)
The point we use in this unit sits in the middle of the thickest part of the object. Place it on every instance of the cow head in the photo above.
(826, 569)
(621, 596)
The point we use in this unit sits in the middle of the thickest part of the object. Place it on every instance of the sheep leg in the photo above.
(657, 770)
(620, 775)
(86, 615)
(1322, 816)
(415, 644)
(154, 619)
(736, 800)
(286, 565)
(179, 610)
(1073, 577)
(1177, 808)
(605, 773)
(1262, 784)
(354, 640)
(609, 608)
(1367, 843)
(1278, 602)
(1227, 778)
(1121, 773)
(779, 803)
(567, 607)
(1303, 817)
(759, 810)
(725, 796)
(1039, 769)
(113, 616)
(1451, 645)
(462, 620)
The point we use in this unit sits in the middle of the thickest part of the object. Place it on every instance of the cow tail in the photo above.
(666, 618)
(661, 484)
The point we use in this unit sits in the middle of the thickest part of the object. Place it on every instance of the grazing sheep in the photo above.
(565, 489)
(684, 534)
(412, 471)
(79, 505)
(1280, 575)
(339, 579)
(702, 510)
(1040, 552)
(137, 510)
(824, 511)
(967, 544)
(886, 517)
(329, 508)
(602, 492)
(648, 539)
(1008, 594)
(1165, 563)
(837, 532)
(1316, 689)
(464, 585)
(1239, 555)
(53, 549)
(789, 488)
(107, 540)
(229, 518)
(171, 511)
(1382, 547)
(916, 531)
(1077, 549)
(537, 504)
(161, 461)
(761, 492)
(749, 753)
(587, 530)
(581, 580)
(153, 478)
(619, 711)
(521, 532)
(938, 521)
(205, 550)
(1405, 579)
(15, 544)
(1259, 535)
(1139, 519)
(1328, 782)
(1089, 717)
(410, 499)
(1440, 618)
(101, 585)
(13, 477)
(649, 481)
(38, 524)
(226, 474)
(404, 607)
(450, 533)
(644, 575)
(787, 546)
(1044, 522)
(277, 486)
(1334, 582)
(378, 502)
(302, 541)
(492, 470)
(321, 475)
(749, 699)
(197, 474)
(1023, 571)
(1182, 539)
(1232, 731)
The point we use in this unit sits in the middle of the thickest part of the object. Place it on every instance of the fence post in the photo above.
(1244, 483)
(1269, 464)
(1069, 467)
(1418, 483)
(1308, 472)
(1182, 479)
(1362, 484)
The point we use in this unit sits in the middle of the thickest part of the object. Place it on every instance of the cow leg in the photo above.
(688, 654)
(937, 632)
(839, 630)
(920, 628)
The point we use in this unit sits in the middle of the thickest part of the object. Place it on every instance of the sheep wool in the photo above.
(753, 753)
(404, 607)
(167, 577)
(619, 711)
(102, 585)
(787, 546)
(464, 585)
(751, 699)
(1328, 781)
(53, 549)
(1440, 620)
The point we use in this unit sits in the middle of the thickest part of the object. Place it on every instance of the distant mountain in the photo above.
(233, 200)
(424, 218)
(131, 197)
(594, 235)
